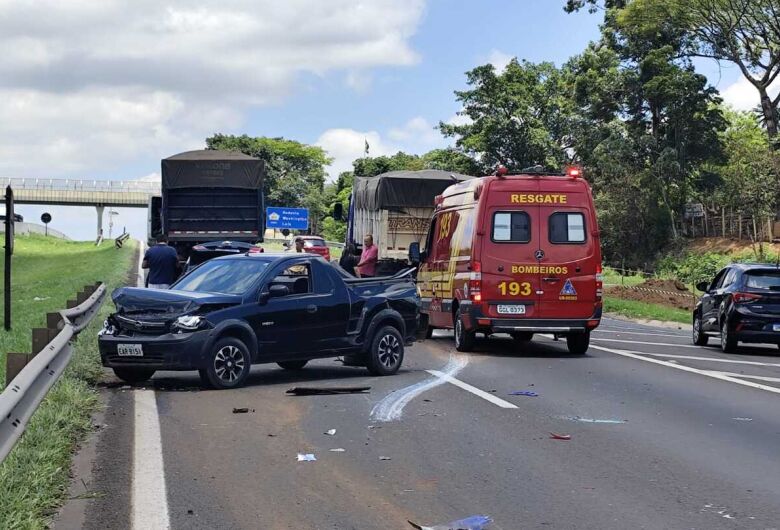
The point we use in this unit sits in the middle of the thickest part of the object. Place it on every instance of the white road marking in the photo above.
(748, 376)
(474, 390)
(149, 501)
(677, 335)
(710, 359)
(391, 408)
(649, 343)
(149, 506)
(707, 373)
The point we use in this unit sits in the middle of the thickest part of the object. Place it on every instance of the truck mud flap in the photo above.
(422, 327)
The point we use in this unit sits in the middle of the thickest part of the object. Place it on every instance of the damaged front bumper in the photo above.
(169, 351)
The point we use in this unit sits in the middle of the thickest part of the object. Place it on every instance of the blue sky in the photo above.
(384, 70)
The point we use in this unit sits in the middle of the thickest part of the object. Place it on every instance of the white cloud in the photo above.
(416, 136)
(459, 119)
(93, 86)
(742, 95)
(499, 59)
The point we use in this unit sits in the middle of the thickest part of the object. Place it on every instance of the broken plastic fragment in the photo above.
(242, 410)
(330, 432)
(524, 393)
(560, 436)
(308, 457)
(385, 458)
(475, 522)
(337, 450)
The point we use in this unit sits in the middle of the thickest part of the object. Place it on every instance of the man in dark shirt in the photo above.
(163, 264)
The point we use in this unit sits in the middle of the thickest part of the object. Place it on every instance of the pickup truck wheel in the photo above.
(292, 365)
(134, 375)
(464, 340)
(578, 343)
(228, 364)
(386, 353)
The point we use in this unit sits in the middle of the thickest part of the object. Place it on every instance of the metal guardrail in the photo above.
(119, 241)
(21, 397)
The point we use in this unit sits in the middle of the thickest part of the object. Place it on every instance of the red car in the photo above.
(315, 245)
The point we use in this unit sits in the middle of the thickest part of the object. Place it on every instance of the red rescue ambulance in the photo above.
(515, 254)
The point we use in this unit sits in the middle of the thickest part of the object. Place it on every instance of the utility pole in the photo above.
(9, 250)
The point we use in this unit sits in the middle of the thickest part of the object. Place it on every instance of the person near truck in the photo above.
(163, 264)
(366, 267)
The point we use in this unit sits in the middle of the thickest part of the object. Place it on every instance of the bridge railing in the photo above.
(96, 185)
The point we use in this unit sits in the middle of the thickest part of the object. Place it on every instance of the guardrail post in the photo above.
(41, 337)
(14, 362)
(54, 321)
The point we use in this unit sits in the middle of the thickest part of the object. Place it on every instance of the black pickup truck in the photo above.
(235, 311)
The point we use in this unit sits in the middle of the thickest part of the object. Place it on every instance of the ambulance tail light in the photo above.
(475, 282)
(599, 282)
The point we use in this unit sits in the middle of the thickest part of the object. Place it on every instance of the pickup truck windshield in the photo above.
(230, 276)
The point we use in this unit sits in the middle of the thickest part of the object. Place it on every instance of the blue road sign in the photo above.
(292, 218)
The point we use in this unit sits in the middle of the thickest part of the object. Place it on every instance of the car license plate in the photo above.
(511, 309)
(775, 327)
(129, 350)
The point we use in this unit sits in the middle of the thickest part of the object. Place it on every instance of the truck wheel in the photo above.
(292, 365)
(228, 364)
(521, 337)
(386, 353)
(699, 337)
(134, 375)
(578, 343)
(429, 332)
(464, 340)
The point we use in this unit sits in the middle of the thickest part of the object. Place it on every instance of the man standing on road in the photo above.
(163, 264)
(366, 267)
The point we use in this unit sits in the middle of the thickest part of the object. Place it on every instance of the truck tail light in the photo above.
(599, 282)
(475, 282)
(744, 298)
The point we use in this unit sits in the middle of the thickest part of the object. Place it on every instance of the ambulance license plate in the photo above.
(511, 309)
(129, 350)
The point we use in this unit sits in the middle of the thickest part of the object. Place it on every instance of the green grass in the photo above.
(634, 309)
(34, 477)
(612, 277)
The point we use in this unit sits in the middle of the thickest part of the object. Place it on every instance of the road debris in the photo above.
(40, 299)
(385, 458)
(241, 410)
(308, 457)
(593, 420)
(327, 391)
(742, 419)
(337, 450)
(330, 432)
(524, 393)
(555, 436)
(475, 522)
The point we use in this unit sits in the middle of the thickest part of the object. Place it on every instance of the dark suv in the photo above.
(742, 304)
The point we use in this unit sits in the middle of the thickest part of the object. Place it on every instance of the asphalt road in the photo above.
(664, 434)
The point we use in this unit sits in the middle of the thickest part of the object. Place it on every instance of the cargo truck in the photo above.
(208, 195)
(396, 208)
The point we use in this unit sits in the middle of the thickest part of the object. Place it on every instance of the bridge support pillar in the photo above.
(99, 220)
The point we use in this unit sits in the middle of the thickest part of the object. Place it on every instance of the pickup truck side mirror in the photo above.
(338, 212)
(415, 256)
(703, 286)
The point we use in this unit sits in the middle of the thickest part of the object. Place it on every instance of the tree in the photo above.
(451, 160)
(293, 170)
(743, 32)
(518, 118)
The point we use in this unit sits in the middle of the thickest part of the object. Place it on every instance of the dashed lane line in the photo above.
(709, 359)
(749, 376)
(677, 335)
(474, 390)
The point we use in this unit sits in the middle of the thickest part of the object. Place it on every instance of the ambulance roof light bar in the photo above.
(501, 171)
(574, 172)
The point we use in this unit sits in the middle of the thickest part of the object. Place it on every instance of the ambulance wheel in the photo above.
(578, 343)
(521, 337)
(464, 339)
